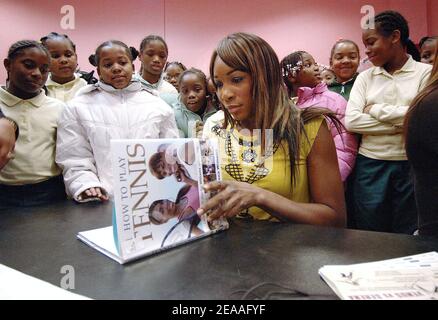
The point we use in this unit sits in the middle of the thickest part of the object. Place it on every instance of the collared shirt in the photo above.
(389, 97)
(343, 88)
(64, 92)
(162, 86)
(35, 148)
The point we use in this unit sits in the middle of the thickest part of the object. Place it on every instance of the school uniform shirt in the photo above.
(162, 86)
(343, 88)
(390, 97)
(37, 118)
(98, 114)
(65, 92)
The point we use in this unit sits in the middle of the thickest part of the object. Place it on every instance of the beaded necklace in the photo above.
(234, 168)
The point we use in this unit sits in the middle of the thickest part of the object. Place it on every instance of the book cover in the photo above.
(157, 191)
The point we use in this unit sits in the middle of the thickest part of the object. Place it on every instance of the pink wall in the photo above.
(432, 6)
(192, 28)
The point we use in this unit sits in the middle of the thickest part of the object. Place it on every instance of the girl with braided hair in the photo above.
(32, 176)
(116, 107)
(380, 97)
(63, 82)
(153, 55)
(172, 72)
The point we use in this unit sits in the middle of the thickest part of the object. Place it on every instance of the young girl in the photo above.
(383, 192)
(328, 76)
(428, 49)
(153, 57)
(32, 176)
(172, 73)
(193, 108)
(114, 108)
(63, 82)
(421, 131)
(344, 61)
(294, 176)
(302, 77)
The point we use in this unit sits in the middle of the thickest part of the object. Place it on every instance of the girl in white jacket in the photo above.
(114, 108)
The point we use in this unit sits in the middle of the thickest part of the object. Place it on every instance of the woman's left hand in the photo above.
(232, 198)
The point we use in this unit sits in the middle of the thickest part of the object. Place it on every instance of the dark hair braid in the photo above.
(196, 72)
(95, 58)
(150, 38)
(332, 52)
(176, 63)
(54, 36)
(287, 63)
(388, 21)
(17, 48)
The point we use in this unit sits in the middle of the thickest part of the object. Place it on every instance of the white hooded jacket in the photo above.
(98, 114)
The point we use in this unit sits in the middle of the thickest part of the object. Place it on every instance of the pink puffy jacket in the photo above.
(346, 142)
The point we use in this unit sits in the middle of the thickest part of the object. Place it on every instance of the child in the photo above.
(302, 76)
(328, 76)
(428, 49)
(383, 191)
(63, 82)
(153, 57)
(173, 71)
(192, 109)
(32, 176)
(114, 108)
(344, 61)
(294, 175)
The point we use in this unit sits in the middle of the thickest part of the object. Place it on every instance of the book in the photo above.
(158, 187)
(406, 278)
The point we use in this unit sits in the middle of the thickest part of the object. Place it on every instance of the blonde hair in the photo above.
(273, 108)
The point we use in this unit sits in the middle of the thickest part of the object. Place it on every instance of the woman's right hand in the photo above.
(231, 198)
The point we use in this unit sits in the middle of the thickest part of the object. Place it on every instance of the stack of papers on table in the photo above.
(407, 278)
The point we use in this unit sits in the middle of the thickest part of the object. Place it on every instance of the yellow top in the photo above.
(67, 91)
(241, 161)
(35, 148)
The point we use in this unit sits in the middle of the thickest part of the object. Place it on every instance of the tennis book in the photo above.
(158, 187)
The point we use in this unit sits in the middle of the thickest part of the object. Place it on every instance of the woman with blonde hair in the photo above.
(278, 162)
